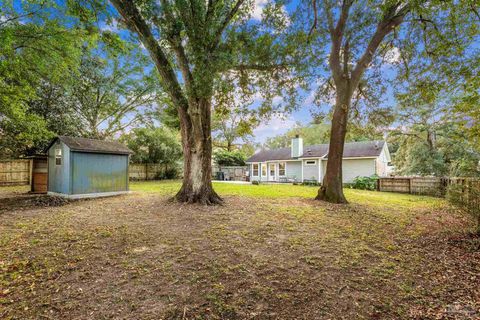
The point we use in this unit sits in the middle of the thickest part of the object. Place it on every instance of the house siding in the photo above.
(294, 170)
(382, 162)
(310, 172)
(353, 168)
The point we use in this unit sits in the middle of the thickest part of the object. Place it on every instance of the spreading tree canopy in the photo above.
(198, 46)
(35, 47)
(365, 37)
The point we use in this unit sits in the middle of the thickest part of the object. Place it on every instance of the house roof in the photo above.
(351, 150)
(92, 145)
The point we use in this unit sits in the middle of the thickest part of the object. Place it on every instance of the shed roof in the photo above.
(351, 150)
(92, 145)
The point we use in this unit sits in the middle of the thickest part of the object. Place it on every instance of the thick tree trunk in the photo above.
(197, 152)
(332, 186)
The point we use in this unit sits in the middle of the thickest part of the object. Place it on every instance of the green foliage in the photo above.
(466, 196)
(365, 183)
(231, 125)
(256, 182)
(317, 133)
(311, 134)
(171, 172)
(415, 157)
(154, 145)
(440, 150)
(229, 158)
(311, 183)
(36, 47)
(112, 91)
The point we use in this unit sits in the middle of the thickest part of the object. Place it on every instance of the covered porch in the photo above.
(287, 171)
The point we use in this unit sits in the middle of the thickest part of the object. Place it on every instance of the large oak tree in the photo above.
(197, 44)
(360, 34)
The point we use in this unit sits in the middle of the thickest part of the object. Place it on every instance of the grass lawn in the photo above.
(271, 252)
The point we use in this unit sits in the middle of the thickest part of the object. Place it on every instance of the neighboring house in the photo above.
(299, 163)
(83, 168)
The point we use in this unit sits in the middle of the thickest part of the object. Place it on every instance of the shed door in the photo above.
(39, 176)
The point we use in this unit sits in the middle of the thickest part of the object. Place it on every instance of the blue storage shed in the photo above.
(86, 168)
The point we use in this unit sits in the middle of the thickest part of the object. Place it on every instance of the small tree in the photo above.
(154, 145)
(229, 158)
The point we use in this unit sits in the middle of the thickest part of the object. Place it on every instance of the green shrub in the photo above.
(313, 183)
(229, 158)
(467, 198)
(171, 172)
(364, 183)
(255, 182)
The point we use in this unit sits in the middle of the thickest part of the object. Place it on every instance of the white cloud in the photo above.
(392, 56)
(112, 26)
(277, 124)
(259, 5)
(277, 100)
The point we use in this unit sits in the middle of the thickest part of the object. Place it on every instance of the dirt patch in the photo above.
(30, 201)
(143, 257)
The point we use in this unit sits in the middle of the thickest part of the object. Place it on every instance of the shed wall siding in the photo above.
(59, 175)
(96, 172)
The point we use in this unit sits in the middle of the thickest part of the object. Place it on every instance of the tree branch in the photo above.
(315, 17)
(224, 24)
(390, 21)
(337, 37)
(136, 23)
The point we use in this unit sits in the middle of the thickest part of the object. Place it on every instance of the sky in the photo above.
(278, 124)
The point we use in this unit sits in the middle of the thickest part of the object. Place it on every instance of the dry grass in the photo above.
(263, 255)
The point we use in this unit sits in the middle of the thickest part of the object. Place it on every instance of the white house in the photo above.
(300, 163)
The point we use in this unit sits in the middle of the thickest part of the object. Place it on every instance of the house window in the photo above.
(264, 169)
(281, 169)
(255, 169)
(58, 157)
(310, 162)
(272, 169)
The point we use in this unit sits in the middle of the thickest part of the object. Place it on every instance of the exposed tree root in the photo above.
(206, 197)
(332, 196)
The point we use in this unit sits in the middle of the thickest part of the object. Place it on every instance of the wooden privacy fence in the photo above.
(432, 186)
(15, 172)
(144, 171)
(19, 172)
(467, 191)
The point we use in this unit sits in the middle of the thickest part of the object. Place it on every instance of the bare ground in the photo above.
(143, 257)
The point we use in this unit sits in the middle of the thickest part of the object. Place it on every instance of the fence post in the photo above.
(30, 174)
